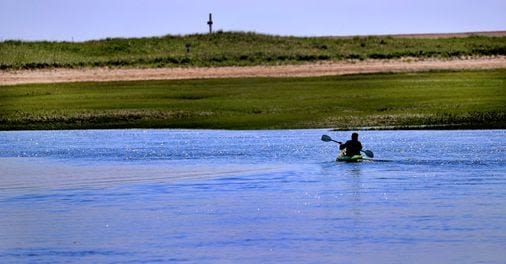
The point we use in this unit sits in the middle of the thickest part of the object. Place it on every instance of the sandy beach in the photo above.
(302, 70)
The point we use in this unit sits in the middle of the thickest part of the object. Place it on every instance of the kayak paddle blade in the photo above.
(368, 153)
(326, 138)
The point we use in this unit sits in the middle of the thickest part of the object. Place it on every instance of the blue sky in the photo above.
(95, 19)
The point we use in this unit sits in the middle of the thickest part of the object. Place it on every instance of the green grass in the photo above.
(234, 48)
(468, 99)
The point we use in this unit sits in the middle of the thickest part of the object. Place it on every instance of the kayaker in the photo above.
(352, 147)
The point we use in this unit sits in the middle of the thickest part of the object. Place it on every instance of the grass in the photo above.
(234, 49)
(465, 99)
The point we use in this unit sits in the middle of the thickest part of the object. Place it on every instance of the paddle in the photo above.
(328, 139)
(368, 153)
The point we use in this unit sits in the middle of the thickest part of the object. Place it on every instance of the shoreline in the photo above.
(421, 127)
(385, 128)
(336, 68)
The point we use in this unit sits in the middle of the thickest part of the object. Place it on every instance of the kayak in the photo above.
(355, 158)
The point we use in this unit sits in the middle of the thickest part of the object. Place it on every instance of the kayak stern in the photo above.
(355, 158)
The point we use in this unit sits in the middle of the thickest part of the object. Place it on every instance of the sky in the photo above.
(79, 20)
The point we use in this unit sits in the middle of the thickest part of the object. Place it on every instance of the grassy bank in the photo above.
(235, 48)
(471, 99)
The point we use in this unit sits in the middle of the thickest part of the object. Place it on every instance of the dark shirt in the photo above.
(352, 147)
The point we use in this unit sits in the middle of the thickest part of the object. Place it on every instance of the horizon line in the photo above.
(485, 33)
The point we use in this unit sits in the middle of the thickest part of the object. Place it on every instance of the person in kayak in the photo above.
(351, 147)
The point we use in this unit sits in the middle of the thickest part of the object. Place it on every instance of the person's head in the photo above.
(354, 136)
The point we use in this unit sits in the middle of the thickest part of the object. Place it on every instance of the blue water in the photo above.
(203, 196)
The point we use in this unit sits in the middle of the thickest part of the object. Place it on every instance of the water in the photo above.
(200, 196)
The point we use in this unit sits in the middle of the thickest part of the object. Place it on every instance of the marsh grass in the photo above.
(469, 99)
(234, 49)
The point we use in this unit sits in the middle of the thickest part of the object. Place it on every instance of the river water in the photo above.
(212, 196)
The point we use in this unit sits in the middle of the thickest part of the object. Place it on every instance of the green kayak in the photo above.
(356, 158)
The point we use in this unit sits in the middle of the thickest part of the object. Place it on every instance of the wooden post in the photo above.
(210, 23)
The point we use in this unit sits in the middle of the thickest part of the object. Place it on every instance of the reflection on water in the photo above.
(251, 196)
